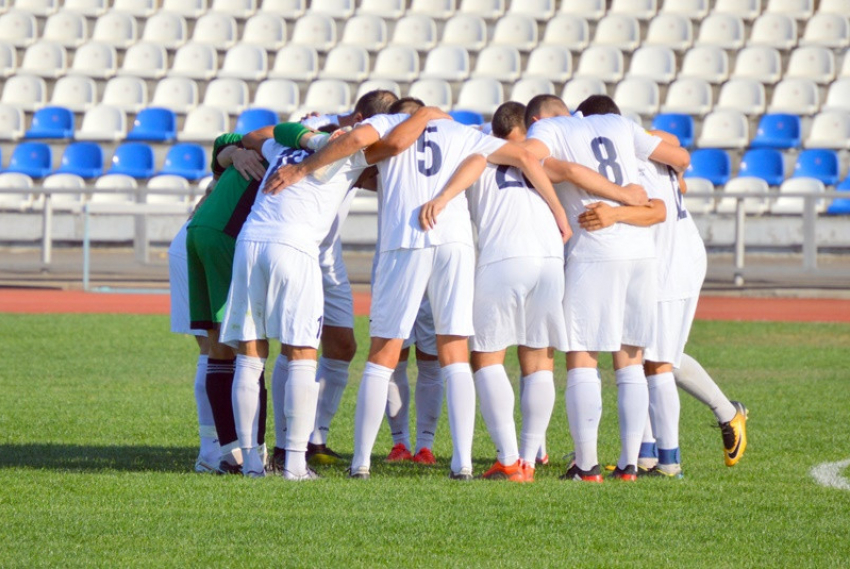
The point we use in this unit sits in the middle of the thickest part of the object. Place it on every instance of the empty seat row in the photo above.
(767, 164)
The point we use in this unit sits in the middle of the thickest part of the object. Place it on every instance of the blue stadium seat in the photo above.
(467, 117)
(841, 206)
(31, 158)
(252, 119)
(187, 160)
(777, 131)
(764, 163)
(680, 125)
(133, 159)
(818, 163)
(85, 159)
(713, 164)
(154, 123)
(52, 122)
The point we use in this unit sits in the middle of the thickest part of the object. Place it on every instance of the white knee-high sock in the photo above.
(664, 410)
(246, 410)
(302, 393)
(206, 423)
(694, 380)
(648, 447)
(429, 402)
(496, 397)
(537, 401)
(332, 376)
(371, 402)
(280, 374)
(584, 411)
(398, 405)
(460, 395)
(632, 409)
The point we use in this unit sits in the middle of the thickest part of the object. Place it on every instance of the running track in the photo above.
(40, 301)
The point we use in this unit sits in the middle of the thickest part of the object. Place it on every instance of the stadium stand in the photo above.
(83, 159)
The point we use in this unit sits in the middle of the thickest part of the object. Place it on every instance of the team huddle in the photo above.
(583, 246)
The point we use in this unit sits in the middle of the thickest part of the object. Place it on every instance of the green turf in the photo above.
(98, 435)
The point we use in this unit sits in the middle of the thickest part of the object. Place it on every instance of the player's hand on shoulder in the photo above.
(598, 215)
(634, 194)
(429, 212)
(249, 164)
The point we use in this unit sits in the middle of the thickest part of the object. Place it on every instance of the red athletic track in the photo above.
(40, 301)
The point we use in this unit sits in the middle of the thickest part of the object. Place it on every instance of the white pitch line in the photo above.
(829, 474)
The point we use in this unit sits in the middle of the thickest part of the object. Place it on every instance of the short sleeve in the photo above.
(222, 142)
(487, 144)
(645, 143)
(544, 131)
(384, 123)
(271, 149)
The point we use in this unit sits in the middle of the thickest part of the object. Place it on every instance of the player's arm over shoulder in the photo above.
(664, 149)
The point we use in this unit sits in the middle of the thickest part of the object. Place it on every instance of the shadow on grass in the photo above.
(89, 458)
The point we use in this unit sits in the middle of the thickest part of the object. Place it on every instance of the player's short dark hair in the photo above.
(536, 104)
(406, 105)
(507, 117)
(598, 105)
(375, 102)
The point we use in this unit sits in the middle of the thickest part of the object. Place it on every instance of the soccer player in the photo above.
(610, 279)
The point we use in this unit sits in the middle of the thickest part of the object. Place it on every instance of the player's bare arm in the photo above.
(674, 156)
(674, 140)
(466, 174)
(600, 215)
(404, 135)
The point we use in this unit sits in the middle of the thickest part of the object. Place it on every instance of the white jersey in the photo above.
(417, 175)
(302, 215)
(318, 122)
(511, 218)
(678, 245)
(612, 145)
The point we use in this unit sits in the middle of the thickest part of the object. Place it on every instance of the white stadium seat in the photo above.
(592, 10)
(551, 62)
(245, 61)
(8, 59)
(96, 60)
(128, 93)
(289, 9)
(710, 63)
(466, 31)
(580, 88)
(20, 200)
(397, 63)
(722, 30)
(390, 9)
(830, 129)
(785, 204)
(837, 98)
(796, 96)
(328, 96)
(38, 7)
(18, 28)
(439, 9)
(185, 8)
(375, 84)
(746, 184)
(74, 92)
(671, 30)
(203, 124)
(696, 204)
(239, 9)
(265, 30)
(447, 62)
(167, 182)
(827, 30)
(743, 95)
(315, 30)
(481, 95)
(759, 62)
(798, 9)
(118, 29)
(620, 31)
(296, 62)
(280, 95)
(416, 31)
(834, 7)
(66, 28)
(640, 9)
(114, 182)
(434, 92)
(638, 95)
(347, 63)
(567, 30)
(724, 129)
(693, 9)
(145, 59)
(524, 89)
(138, 8)
(516, 30)
(812, 62)
(216, 29)
(339, 9)
(603, 62)
(45, 59)
(654, 62)
(540, 10)
(487, 9)
(774, 30)
(689, 96)
(196, 61)
(11, 122)
(90, 8)
(369, 32)
(180, 94)
(63, 201)
(744, 9)
(166, 29)
(27, 92)
(499, 62)
(103, 123)
(230, 95)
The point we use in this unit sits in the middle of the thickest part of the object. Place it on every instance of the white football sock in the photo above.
(371, 402)
(333, 378)
(664, 410)
(536, 402)
(246, 400)
(460, 395)
(398, 405)
(496, 397)
(694, 380)
(429, 402)
(206, 424)
(632, 406)
(302, 392)
(279, 376)
(584, 411)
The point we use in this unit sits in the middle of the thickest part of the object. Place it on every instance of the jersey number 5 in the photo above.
(423, 144)
(606, 154)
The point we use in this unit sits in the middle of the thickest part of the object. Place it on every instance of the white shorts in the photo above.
(514, 301)
(609, 304)
(339, 304)
(674, 321)
(446, 273)
(178, 280)
(276, 292)
(423, 334)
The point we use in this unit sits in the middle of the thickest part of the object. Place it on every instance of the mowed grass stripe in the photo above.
(98, 437)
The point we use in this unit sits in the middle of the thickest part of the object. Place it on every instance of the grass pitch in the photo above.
(98, 438)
